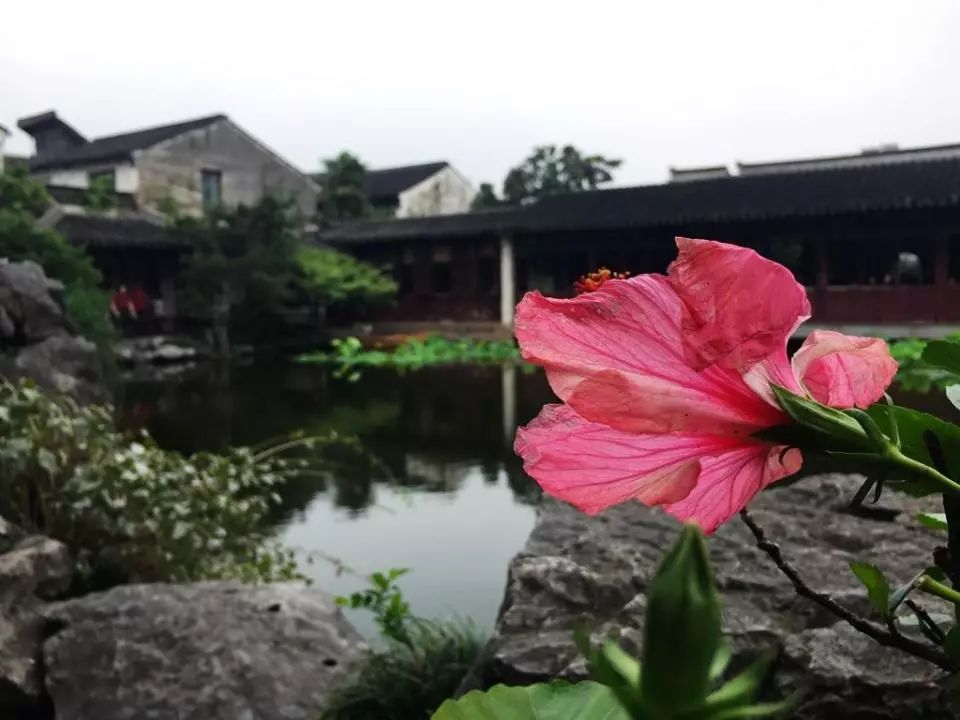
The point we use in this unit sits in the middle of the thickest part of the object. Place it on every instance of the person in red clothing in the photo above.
(127, 306)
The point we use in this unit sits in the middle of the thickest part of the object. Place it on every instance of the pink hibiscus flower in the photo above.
(664, 380)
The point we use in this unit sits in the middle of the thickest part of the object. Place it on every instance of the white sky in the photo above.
(678, 82)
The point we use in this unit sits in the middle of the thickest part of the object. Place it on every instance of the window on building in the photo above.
(211, 183)
(106, 179)
(442, 271)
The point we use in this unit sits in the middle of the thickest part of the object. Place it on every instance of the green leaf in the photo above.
(742, 689)
(47, 460)
(543, 701)
(951, 645)
(824, 420)
(760, 710)
(900, 594)
(878, 589)
(721, 660)
(682, 629)
(933, 521)
(943, 354)
(913, 424)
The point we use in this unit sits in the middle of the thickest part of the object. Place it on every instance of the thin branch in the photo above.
(877, 632)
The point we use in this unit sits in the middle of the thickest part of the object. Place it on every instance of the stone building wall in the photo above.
(172, 170)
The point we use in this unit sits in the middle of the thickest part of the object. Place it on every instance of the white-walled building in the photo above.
(435, 188)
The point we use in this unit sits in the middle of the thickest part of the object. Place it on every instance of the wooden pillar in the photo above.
(941, 261)
(508, 282)
(823, 280)
(941, 275)
(823, 266)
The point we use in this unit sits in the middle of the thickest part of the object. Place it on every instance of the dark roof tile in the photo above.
(126, 230)
(119, 147)
(930, 183)
(383, 186)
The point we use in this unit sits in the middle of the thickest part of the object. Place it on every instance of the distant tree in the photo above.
(251, 275)
(19, 192)
(550, 170)
(241, 273)
(486, 198)
(344, 197)
(100, 195)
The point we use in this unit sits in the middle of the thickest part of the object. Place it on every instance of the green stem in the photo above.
(895, 457)
(932, 587)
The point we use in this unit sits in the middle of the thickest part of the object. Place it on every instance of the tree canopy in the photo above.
(548, 170)
(337, 278)
(344, 196)
(486, 198)
(251, 271)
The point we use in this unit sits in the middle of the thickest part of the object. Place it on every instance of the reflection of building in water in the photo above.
(508, 388)
(434, 473)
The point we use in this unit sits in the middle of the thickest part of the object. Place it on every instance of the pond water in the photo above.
(434, 486)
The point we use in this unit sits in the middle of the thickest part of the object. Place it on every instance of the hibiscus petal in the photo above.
(616, 356)
(844, 371)
(728, 481)
(738, 307)
(594, 467)
(775, 369)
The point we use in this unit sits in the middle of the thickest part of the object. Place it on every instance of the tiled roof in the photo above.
(119, 147)
(383, 186)
(137, 230)
(818, 192)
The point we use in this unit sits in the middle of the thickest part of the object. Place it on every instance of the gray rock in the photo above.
(158, 349)
(27, 302)
(578, 570)
(66, 364)
(36, 338)
(36, 568)
(206, 651)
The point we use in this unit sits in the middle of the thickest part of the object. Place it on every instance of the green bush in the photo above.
(421, 664)
(128, 510)
(914, 373)
(337, 278)
(88, 307)
(407, 681)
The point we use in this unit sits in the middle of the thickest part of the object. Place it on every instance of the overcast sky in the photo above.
(671, 82)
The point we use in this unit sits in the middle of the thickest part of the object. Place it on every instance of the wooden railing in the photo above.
(884, 304)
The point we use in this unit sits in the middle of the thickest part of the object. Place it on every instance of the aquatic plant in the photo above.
(349, 354)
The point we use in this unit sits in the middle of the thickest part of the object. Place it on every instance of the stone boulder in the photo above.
(205, 651)
(37, 339)
(159, 350)
(67, 364)
(578, 570)
(29, 311)
(32, 569)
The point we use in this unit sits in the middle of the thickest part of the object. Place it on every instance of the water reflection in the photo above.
(435, 485)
